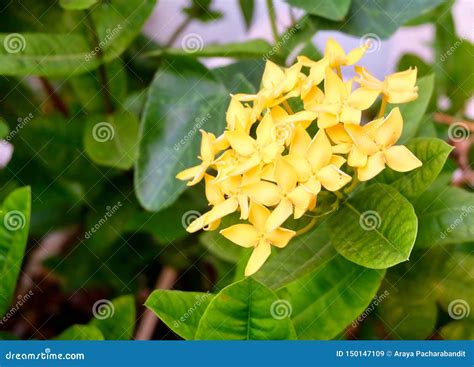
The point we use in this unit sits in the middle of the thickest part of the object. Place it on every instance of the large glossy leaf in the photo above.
(112, 140)
(77, 4)
(14, 224)
(297, 259)
(334, 10)
(380, 17)
(246, 310)
(375, 228)
(116, 318)
(433, 153)
(414, 111)
(327, 300)
(458, 330)
(247, 10)
(81, 332)
(180, 311)
(183, 98)
(45, 54)
(446, 216)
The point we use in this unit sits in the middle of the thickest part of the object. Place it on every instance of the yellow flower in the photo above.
(376, 144)
(258, 237)
(396, 88)
(337, 57)
(340, 103)
(208, 151)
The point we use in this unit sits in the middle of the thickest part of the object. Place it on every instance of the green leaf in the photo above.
(458, 330)
(183, 98)
(3, 128)
(81, 332)
(44, 54)
(445, 216)
(334, 10)
(240, 50)
(379, 17)
(297, 259)
(412, 60)
(180, 311)
(414, 111)
(116, 319)
(405, 308)
(112, 140)
(375, 228)
(252, 70)
(433, 153)
(246, 310)
(247, 9)
(331, 297)
(77, 4)
(14, 224)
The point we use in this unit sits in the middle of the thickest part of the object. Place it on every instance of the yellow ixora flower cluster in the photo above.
(268, 166)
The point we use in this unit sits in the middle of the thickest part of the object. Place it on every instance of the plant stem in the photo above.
(287, 107)
(148, 320)
(382, 108)
(104, 80)
(55, 98)
(272, 16)
(307, 227)
(178, 31)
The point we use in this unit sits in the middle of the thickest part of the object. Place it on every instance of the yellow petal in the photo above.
(390, 129)
(272, 75)
(350, 115)
(301, 166)
(355, 55)
(300, 141)
(264, 193)
(367, 80)
(334, 52)
(279, 215)
(244, 235)
(243, 205)
(356, 157)
(334, 87)
(213, 192)
(190, 173)
(245, 166)
(319, 151)
(332, 178)
(375, 164)
(291, 77)
(338, 134)
(362, 98)
(258, 216)
(361, 139)
(300, 197)
(207, 149)
(400, 159)
(280, 237)
(402, 80)
(240, 142)
(313, 186)
(285, 175)
(259, 255)
(265, 129)
(217, 212)
(326, 120)
(337, 160)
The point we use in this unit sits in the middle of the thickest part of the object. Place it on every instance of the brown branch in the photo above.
(445, 119)
(58, 103)
(149, 320)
